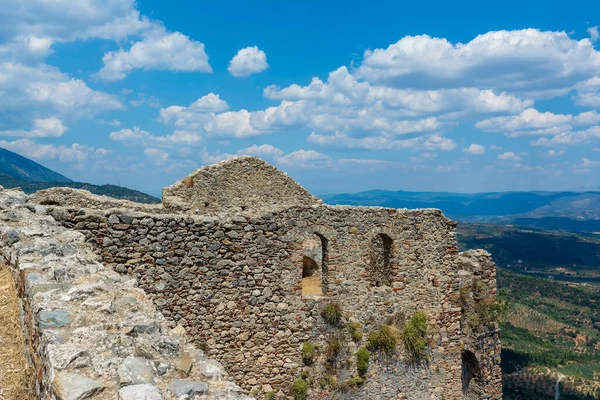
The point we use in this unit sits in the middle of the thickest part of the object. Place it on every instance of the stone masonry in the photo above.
(90, 332)
(226, 259)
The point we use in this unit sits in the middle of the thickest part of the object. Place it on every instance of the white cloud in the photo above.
(593, 32)
(509, 156)
(305, 159)
(159, 50)
(42, 128)
(495, 147)
(77, 155)
(26, 92)
(140, 137)
(342, 140)
(41, 23)
(554, 153)
(570, 138)
(248, 61)
(475, 149)
(526, 61)
(265, 151)
(589, 163)
(156, 156)
(533, 122)
(588, 92)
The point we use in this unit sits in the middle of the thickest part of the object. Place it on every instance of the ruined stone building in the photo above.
(247, 261)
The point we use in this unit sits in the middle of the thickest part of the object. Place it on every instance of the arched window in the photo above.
(381, 254)
(314, 266)
(470, 371)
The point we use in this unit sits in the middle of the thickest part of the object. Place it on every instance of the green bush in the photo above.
(385, 339)
(300, 389)
(270, 396)
(355, 334)
(308, 353)
(332, 314)
(362, 361)
(414, 335)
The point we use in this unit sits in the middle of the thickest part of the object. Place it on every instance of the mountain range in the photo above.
(18, 171)
(574, 211)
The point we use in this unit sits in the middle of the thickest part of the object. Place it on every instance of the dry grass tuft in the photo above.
(16, 377)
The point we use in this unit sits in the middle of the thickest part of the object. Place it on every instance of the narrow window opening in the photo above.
(244, 208)
(314, 266)
(470, 372)
(381, 254)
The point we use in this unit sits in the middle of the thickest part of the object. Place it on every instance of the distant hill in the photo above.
(534, 249)
(19, 167)
(577, 211)
(18, 171)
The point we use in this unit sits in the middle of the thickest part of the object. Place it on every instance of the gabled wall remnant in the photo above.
(240, 184)
(233, 277)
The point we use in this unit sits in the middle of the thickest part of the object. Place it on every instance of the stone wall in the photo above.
(90, 332)
(235, 284)
(241, 184)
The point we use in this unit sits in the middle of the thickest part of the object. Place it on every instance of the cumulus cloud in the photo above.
(42, 128)
(158, 51)
(37, 24)
(570, 138)
(588, 92)
(248, 61)
(341, 140)
(141, 137)
(77, 155)
(27, 91)
(509, 156)
(475, 149)
(526, 61)
(533, 122)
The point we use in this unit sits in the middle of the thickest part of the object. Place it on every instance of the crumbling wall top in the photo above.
(246, 184)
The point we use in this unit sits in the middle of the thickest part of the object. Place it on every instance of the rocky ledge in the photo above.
(92, 333)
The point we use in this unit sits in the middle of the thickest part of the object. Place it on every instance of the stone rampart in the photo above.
(91, 332)
(236, 285)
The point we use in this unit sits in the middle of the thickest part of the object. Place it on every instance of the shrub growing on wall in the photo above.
(308, 353)
(385, 339)
(300, 389)
(332, 314)
(414, 335)
(362, 361)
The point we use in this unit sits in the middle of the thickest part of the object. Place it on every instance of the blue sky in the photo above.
(344, 96)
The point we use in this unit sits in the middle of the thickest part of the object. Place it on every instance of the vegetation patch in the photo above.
(332, 314)
(385, 339)
(300, 389)
(328, 381)
(353, 331)
(270, 396)
(414, 335)
(308, 353)
(333, 349)
(362, 361)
